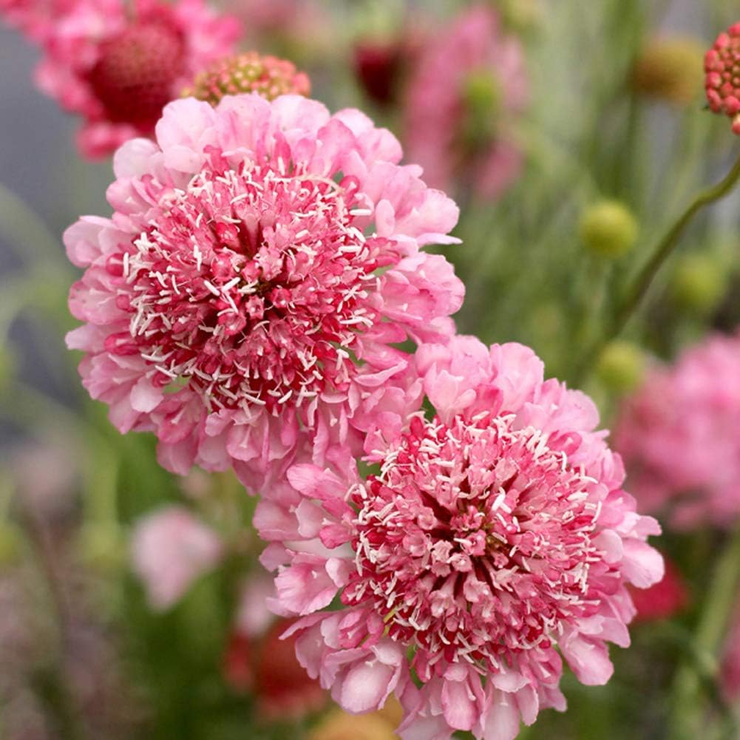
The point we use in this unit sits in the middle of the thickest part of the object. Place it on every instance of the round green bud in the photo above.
(699, 283)
(670, 69)
(608, 228)
(621, 366)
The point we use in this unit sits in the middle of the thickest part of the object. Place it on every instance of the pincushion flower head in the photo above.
(494, 539)
(469, 85)
(722, 82)
(262, 259)
(680, 436)
(118, 67)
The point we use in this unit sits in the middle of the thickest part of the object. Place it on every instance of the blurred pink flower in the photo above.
(35, 18)
(118, 68)
(463, 98)
(493, 534)
(170, 549)
(288, 21)
(244, 300)
(680, 436)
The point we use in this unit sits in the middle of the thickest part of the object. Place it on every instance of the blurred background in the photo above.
(607, 107)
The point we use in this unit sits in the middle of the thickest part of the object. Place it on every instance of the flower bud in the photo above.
(699, 283)
(621, 366)
(669, 69)
(268, 76)
(722, 82)
(608, 228)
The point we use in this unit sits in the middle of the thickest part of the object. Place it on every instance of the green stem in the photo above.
(645, 277)
(716, 614)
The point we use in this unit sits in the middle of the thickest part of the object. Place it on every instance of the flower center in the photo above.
(251, 286)
(474, 542)
(134, 77)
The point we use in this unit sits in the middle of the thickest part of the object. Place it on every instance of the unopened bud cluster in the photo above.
(722, 67)
(268, 76)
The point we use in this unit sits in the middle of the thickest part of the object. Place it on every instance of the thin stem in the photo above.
(645, 277)
(716, 614)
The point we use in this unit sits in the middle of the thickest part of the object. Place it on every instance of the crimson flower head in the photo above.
(493, 540)
(118, 67)
(246, 300)
(722, 82)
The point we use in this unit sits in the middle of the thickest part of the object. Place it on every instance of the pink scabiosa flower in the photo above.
(170, 549)
(722, 82)
(680, 436)
(118, 68)
(244, 300)
(469, 82)
(494, 539)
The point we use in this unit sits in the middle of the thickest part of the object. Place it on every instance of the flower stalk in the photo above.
(665, 247)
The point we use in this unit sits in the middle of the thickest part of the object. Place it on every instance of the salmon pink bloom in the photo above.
(244, 301)
(680, 436)
(118, 67)
(468, 86)
(493, 539)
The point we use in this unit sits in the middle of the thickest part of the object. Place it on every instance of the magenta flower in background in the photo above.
(117, 66)
(464, 95)
(244, 300)
(495, 538)
(170, 549)
(680, 436)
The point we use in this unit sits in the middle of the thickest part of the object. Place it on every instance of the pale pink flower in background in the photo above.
(253, 616)
(286, 22)
(170, 550)
(680, 436)
(495, 539)
(244, 300)
(117, 67)
(463, 98)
